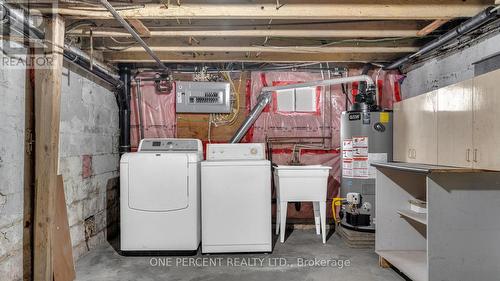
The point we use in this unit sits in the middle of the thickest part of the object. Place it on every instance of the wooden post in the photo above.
(29, 171)
(47, 117)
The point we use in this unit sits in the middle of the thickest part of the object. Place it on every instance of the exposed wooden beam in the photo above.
(273, 49)
(363, 9)
(47, 118)
(141, 29)
(126, 57)
(294, 33)
(431, 27)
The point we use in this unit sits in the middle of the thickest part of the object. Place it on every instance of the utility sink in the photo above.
(301, 183)
(298, 184)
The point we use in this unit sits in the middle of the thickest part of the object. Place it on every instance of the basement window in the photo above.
(302, 100)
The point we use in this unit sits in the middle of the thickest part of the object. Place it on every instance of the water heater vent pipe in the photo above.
(265, 98)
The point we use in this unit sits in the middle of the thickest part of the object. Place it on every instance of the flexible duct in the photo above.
(17, 20)
(266, 96)
(467, 26)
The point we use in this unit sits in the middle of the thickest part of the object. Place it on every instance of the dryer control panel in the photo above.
(236, 151)
(173, 145)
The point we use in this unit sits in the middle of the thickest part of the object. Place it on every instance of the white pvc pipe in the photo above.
(335, 81)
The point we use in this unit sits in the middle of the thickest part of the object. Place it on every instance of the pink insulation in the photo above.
(158, 110)
(324, 123)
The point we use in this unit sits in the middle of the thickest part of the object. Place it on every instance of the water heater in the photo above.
(365, 137)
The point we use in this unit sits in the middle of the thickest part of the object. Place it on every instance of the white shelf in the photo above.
(412, 263)
(418, 217)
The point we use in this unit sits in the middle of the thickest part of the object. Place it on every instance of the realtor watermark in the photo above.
(331, 262)
(20, 44)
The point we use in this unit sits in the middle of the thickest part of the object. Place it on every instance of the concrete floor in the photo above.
(105, 264)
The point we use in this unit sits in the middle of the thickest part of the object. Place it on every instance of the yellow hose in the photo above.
(336, 202)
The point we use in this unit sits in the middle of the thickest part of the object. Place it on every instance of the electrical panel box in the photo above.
(202, 97)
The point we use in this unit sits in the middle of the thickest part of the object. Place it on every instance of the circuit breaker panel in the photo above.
(202, 97)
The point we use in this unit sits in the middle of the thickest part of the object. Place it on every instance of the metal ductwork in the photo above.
(266, 97)
(21, 22)
(99, 69)
(467, 26)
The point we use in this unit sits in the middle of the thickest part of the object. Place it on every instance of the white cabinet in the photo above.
(401, 133)
(458, 125)
(454, 125)
(415, 129)
(486, 114)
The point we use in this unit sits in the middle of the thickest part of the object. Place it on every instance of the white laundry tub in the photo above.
(301, 183)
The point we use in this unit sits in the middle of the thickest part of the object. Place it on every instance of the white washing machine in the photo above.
(236, 199)
(160, 196)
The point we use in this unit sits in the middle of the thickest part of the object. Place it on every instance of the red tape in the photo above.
(397, 91)
(305, 151)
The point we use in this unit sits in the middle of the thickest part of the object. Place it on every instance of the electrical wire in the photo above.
(131, 43)
(229, 119)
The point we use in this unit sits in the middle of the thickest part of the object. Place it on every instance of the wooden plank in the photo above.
(383, 262)
(139, 27)
(293, 33)
(401, 10)
(273, 49)
(64, 268)
(431, 27)
(411, 263)
(248, 57)
(47, 118)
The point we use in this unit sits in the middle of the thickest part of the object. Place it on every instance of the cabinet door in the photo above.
(424, 128)
(454, 125)
(486, 134)
(401, 132)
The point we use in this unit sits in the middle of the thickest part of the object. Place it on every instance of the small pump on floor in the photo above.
(355, 211)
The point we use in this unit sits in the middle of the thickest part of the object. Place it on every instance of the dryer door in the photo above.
(158, 182)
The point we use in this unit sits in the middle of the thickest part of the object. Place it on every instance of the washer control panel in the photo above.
(236, 151)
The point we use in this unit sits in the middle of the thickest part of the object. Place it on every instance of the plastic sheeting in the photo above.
(322, 126)
(159, 120)
(158, 112)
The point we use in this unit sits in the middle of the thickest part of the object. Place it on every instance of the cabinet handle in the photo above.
(475, 155)
(467, 156)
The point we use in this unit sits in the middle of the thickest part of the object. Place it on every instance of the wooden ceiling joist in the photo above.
(274, 49)
(126, 57)
(361, 9)
(141, 29)
(292, 33)
(431, 27)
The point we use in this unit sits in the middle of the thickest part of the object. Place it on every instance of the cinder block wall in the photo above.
(89, 162)
(12, 83)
